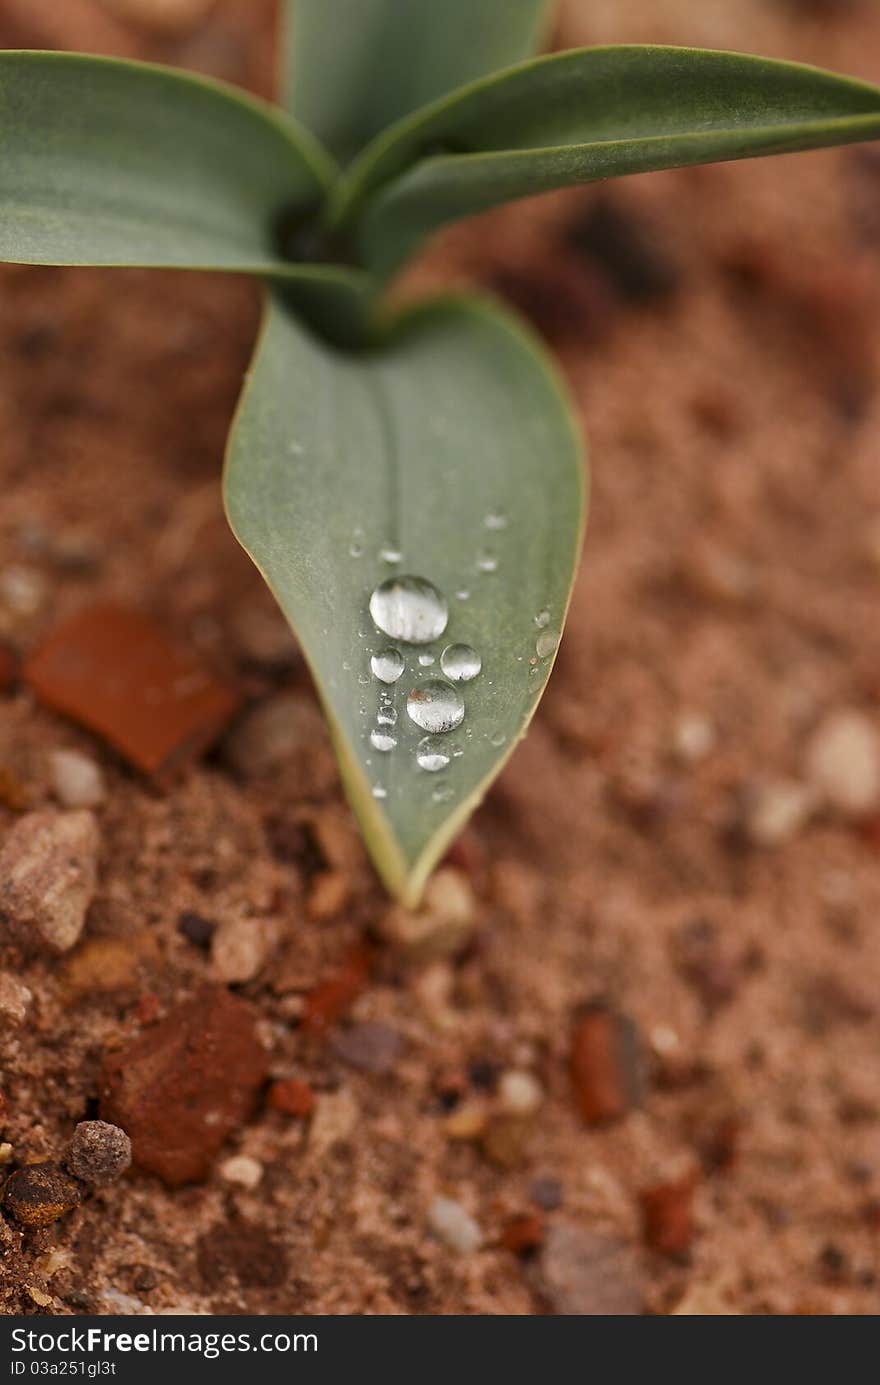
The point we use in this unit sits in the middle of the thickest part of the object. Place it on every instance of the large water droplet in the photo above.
(460, 662)
(410, 609)
(436, 706)
(387, 665)
(431, 755)
(380, 740)
(546, 644)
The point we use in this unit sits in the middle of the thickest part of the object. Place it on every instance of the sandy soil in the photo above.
(725, 367)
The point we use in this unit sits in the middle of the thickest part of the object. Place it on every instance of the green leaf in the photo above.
(351, 67)
(119, 163)
(455, 419)
(582, 115)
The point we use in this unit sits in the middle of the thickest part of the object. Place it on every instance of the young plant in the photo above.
(409, 482)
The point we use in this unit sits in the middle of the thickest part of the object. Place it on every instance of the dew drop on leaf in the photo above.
(435, 706)
(431, 756)
(442, 793)
(409, 609)
(460, 662)
(426, 660)
(389, 554)
(495, 520)
(546, 644)
(387, 665)
(487, 562)
(497, 739)
(379, 792)
(542, 619)
(380, 740)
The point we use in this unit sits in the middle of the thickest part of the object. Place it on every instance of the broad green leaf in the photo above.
(582, 115)
(118, 163)
(351, 67)
(451, 444)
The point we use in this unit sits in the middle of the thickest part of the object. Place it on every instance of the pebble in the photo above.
(693, 737)
(506, 1138)
(184, 1086)
(582, 1274)
(519, 1093)
(369, 1047)
(292, 1097)
(605, 1064)
(240, 948)
(48, 876)
(77, 782)
(99, 1153)
(40, 1193)
(546, 1193)
(329, 893)
(453, 1225)
(336, 1117)
(15, 1000)
(269, 735)
(196, 929)
(843, 762)
(243, 1170)
(667, 1216)
(777, 810)
(442, 927)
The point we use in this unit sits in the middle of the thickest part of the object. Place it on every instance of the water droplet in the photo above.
(356, 547)
(387, 665)
(460, 662)
(379, 792)
(431, 756)
(363, 679)
(495, 520)
(410, 609)
(389, 554)
(380, 740)
(545, 644)
(387, 714)
(487, 562)
(497, 738)
(435, 706)
(462, 595)
(442, 793)
(426, 660)
(542, 619)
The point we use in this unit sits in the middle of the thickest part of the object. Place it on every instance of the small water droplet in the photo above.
(545, 644)
(356, 547)
(379, 792)
(380, 740)
(435, 706)
(426, 660)
(497, 738)
(487, 562)
(346, 666)
(442, 793)
(462, 595)
(387, 665)
(387, 714)
(363, 679)
(495, 520)
(460, 662)
(431, 756)
(296, 449)
(410, 609)
(542, 619)
(389, 554)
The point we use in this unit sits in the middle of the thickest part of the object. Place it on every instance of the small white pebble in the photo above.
(240, 949)
(5, 1153)
(242, 1169)
(520, 1093)
(15, 999)
(664, 1039)
(843, 762)
(777, 811)
(77, 782)
(693, 737)
(22, 590)
(454, 1226)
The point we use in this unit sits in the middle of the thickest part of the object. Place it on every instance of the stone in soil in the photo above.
(98, 1154)
(843, 762)
(579, 1273)
(777, 810)
(186, 1084)
(39, 1194)
(442, 927)
(120, 674)
(15, 1000)
(369, 1047)
(274, 733)
(240, 948)
(48, 875)
(76, 780)
(606, 1068)
(667, 1216)
(453, 1225)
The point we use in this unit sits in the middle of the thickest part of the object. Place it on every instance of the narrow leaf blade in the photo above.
(104, 162)
(452, 445)
(587, 114)
(352, 67)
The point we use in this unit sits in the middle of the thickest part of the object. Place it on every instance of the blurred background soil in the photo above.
(626, 1059)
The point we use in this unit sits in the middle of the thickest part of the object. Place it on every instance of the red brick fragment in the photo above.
(667, 1216)
(605, 1065)
(522, 1234)
(181, 1088)
(328, 1001)
(119, 674)
(8, 668)
(291, 1097)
